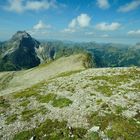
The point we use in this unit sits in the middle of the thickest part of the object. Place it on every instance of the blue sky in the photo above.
(115, 21)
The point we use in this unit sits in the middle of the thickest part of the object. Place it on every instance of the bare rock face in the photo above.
(19, 52)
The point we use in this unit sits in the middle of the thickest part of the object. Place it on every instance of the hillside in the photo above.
(71, 103)
(14, 81)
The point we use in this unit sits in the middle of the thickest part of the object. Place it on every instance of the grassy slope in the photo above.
(26, 78)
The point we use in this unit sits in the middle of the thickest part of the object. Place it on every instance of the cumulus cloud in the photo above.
(82, 21)
(130, 6)
(20, 6)
(73, 23)
(103, 4)
(40, 25)
(15, 5)
(40, 28)
(134, 32)
(108, 27)
(37, 5)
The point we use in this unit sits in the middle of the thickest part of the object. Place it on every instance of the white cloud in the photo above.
(39, 5)
(73, 23)
(130, 6)
(81, 21)
(108, 27)
(40, 25)
(15, 5)
(103, 4)
(20, 6)
(40, 29)
(134, 32)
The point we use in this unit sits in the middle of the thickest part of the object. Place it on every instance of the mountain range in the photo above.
(23, 52)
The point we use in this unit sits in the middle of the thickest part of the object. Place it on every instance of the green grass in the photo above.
(119, 109)
(93, 136)
(25, 103)
(42, 110)
(32, 91)
(27, 115)
(105, 89)
(61, 102)
(117, 80)
(121, 127)
(104, 106)
(11, 119)
(24, 135)
(25, 94)
(70, 88)
(99, 101)
(125, 129)
(64, 74)
(136, 86)
(46, 98)
(114, 81)
(4, 103)
(52, 130)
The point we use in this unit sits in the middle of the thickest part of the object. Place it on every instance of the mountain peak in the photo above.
(20, 34)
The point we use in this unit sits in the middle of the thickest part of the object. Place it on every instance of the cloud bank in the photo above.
(20, 6)
(134, 32)
(103, 4)
(130, 6)
(108, 27)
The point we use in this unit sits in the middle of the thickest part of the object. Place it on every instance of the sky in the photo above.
(104, 21)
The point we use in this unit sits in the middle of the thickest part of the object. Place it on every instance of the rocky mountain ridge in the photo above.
(19, 52)
(23, 52)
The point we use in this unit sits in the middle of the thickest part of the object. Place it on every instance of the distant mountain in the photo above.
(23, 52)
(112, 55)
(103, 54)
(19, 52)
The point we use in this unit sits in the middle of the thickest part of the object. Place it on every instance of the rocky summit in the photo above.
(19, 52)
